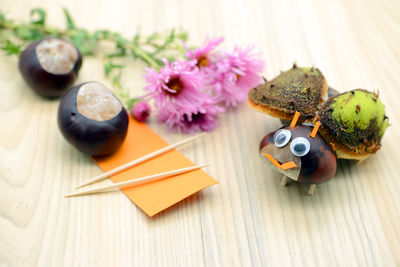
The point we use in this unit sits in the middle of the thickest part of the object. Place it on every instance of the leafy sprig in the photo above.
(15, 36)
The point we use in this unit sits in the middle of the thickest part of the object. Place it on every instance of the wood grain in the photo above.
(246, 220)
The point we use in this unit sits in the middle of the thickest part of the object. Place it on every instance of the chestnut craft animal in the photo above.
(349, 125)
(300, 153)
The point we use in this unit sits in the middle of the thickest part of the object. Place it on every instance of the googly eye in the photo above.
(282, 137)
(300, 146)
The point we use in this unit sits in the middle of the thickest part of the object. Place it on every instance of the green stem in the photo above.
(10, 25)
(14, 37)
(141, 53)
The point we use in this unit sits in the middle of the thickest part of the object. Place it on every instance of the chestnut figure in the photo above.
(50, 66)
(92, 119)
(353, 122)
(300, 157)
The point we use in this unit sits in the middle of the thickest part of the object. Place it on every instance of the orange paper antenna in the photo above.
(294, 120)
(284, 166)
(288, 165)
(315, 129)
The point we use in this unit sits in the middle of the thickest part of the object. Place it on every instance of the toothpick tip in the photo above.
(311, 189)
(200, 135)
(75, 194)
(84, 184)
(137, 181)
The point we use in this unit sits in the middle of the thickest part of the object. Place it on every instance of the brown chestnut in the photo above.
(50, 66)
(92, 119)
(300, 157)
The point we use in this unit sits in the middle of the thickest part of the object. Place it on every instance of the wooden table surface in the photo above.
(248, 219)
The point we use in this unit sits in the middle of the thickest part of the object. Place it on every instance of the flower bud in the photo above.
(141, 111)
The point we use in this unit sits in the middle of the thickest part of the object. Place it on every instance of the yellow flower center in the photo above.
(175, 86)
(202, 62)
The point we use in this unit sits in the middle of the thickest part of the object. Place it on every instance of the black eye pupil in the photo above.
(281, 138)
(299, 148)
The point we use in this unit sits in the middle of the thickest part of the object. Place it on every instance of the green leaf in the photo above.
(42, 16)
(11, 48)
(116, 80)
(70, 22)
(182, 36)
(23, 32)
(166, 43)
(172, 34)
(121, 41)
(152, 37)
(2, 18)
(109, 67)
(121, 51)
(87, 48)
(136, 38)
(170, 59)
(36, 35)
(131, 102)
(78, 37)
(100, 34)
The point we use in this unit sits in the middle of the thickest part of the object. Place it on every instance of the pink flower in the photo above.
(181, 98)
(177, 86)
(141, 111)
(187, 94)
(203, 54)
(234, 74)
(197, 118)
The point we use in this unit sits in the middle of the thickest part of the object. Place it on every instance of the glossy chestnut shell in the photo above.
(44, 74)
(318, 165)
(91, 136)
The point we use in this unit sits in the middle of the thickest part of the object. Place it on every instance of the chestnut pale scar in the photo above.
(96, 102)
(56, 56)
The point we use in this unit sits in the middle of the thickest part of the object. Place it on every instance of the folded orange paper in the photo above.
(155, 196)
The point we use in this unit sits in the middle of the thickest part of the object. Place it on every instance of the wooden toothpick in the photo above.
(139, 160)
(136, 181)
(311, 189)
(284, 180)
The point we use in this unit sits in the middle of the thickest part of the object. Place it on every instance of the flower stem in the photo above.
(151, 49)
(145, 57)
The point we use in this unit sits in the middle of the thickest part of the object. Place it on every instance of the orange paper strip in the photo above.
(294, 120)
(315, 129)
(283, 166)
(159, 195)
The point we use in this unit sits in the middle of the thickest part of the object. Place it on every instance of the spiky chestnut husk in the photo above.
(298, 89)
(354, 123)
(331, 92)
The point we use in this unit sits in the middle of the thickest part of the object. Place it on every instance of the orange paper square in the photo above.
(155, 196)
